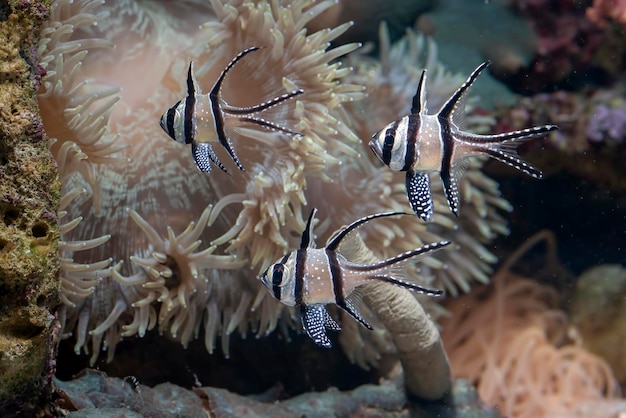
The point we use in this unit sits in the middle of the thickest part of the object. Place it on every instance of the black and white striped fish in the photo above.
(311, 278)
(200, 119)
(421, 143)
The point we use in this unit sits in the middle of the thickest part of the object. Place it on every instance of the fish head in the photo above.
(171, 122)
(279, 280)
(388, 145)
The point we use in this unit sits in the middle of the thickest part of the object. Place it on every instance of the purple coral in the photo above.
(607, 123)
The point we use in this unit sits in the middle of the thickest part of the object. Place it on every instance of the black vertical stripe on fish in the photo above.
(171, 117)
(276, 287)
(190, 108)
(445, 172)
(411, 139)
(299, 276)
(390, 138)
(307, 234)
(336, 277)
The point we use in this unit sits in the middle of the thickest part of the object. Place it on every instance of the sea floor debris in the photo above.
(92, 392)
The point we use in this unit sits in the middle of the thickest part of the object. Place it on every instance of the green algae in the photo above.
(29, 196)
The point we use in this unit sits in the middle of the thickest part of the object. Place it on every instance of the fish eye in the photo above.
(389, 140)
(277, 274)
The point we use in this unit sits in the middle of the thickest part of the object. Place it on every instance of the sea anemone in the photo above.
(165, 246)
(510, 340)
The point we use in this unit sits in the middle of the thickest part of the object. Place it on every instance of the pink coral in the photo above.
(604, 10)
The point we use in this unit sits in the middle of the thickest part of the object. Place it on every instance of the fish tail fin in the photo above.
(393, 270)
(503, 147)
(507, 153)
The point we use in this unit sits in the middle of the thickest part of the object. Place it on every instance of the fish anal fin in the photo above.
(349, 305)
(419, 194)
(313, 321)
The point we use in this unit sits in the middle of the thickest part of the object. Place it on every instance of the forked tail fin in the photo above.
(393, 270)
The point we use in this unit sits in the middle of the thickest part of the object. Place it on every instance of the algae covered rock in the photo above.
(29, 194)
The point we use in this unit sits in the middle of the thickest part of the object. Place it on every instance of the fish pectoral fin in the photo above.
(313, 321)
(418, 191)
(349, 305)
(203, 154)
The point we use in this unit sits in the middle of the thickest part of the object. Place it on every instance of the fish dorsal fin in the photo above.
(350, 306)
(454, 108)
(217, 87)
(313, 321)
(216, 107)
(192, 85)
(353, 249)
(307, 234)
(333, 242)
(418, 191)
(419, 100)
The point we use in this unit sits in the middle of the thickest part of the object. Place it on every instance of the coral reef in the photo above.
(604, 10)
(94, 393)
(592, 128)
(154, 243)
(475, 31)
(567, 44)
(510, 340)
(598, 312)
(367, 15)
(29, 195)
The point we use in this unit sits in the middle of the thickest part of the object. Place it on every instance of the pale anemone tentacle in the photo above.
(257, 215)
(83, 141)
(174, 272)
(78, 280)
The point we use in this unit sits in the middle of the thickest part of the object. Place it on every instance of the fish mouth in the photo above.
(375, 147)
